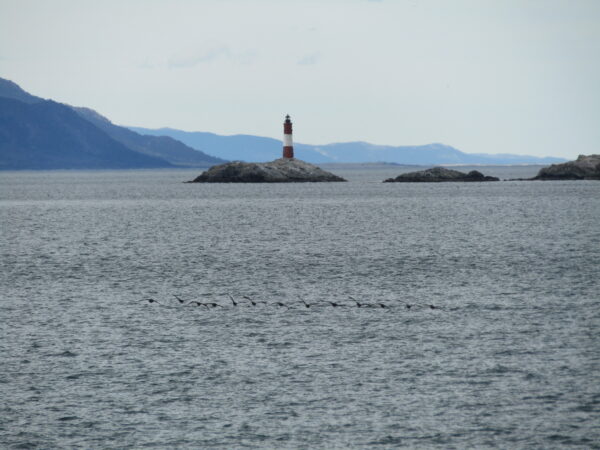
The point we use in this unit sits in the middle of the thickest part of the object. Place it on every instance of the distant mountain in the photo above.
(167, 148)
(240, 147)
(253, 148)
(49, 135)
(42, 134)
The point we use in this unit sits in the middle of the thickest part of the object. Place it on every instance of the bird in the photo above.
(151, 300)
(196, 303)
(179, 299)
(408, 306)
(334, 304)
(360, 305)
(380, 305)
(308, 305)
(213, 305)
(281, 304)
(254, 303)
(433, 307)
(232, 300)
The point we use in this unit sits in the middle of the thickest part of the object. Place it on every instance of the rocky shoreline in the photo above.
(583, 168)
(283, 170)
(439, 175)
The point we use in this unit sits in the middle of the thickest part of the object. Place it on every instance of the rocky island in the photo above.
(583, 168)
(439, 174)
(286, 169)
(282, 170)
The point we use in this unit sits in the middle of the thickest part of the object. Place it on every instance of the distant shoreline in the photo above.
(388, 166)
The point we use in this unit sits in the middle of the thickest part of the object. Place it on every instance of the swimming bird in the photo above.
(334, 304)
(381, 305)
(433, 307)
(232, 300)
(360, 305)
(308, 305)
(151, 300)
(196, 303)
(213, 305)
(408, 306)
(179, 299)
(254, 303)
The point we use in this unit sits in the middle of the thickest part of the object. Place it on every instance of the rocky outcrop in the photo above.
(584, 168)
(439, 174)
(283, 170)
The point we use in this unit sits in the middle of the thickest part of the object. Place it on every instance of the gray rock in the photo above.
(283, 170)
(584, 168)
(439, 174)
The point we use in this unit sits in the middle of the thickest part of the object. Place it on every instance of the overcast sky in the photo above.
(497, 76)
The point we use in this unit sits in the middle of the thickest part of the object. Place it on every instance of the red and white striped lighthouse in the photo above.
(288, 147)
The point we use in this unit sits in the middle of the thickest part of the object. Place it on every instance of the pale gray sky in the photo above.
(502, 76)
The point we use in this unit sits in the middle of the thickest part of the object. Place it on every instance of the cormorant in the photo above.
(360, 305)
(334, 304)
(196, 303)
(251, 301)
(381, 305)
(213, 305)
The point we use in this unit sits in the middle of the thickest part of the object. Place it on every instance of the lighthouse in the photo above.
(288, 147)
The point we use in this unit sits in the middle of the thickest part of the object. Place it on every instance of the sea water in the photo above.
(509, 355)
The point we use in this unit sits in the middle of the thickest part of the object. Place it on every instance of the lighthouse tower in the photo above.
(288, 147)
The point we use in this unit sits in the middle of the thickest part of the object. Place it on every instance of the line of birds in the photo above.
(284, 305)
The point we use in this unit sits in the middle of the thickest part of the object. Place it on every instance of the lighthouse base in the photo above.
(288, 152)
(283, 170)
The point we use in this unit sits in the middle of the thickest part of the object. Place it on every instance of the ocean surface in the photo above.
(508, 357)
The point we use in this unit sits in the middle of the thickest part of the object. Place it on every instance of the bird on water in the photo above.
(334, 304)
(212, 305)
(181, 301)
(380, 305)
(232, 300)
(360, 305)
(254, 303)
(151, 300)
(308, 305)
(196, 303)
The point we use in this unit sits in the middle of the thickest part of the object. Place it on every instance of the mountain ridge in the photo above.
(82, 140)
(245, 147)
(178, 148)
(50, 135)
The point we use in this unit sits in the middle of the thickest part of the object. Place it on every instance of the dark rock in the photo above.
(584, 168)
(283, 170)
(440, 174)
